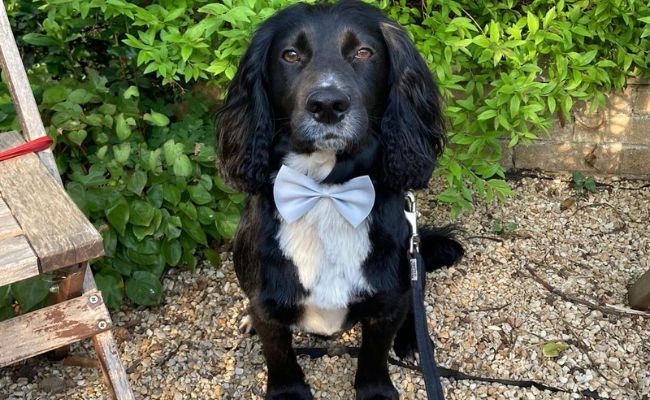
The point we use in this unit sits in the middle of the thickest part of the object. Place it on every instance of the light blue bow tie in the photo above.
(295, 194)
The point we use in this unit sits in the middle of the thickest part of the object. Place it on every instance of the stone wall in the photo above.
(614, 141)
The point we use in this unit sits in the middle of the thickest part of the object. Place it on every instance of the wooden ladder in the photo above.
(42, 230)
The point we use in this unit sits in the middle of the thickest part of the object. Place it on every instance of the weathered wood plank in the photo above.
(58, 231)
(8, 225)
(70, 285)
(4, 208)
(21, 91)
(112, 366)
(639, 292)
(108, 354)
(10, 139)
(17, 260)
(51, 327)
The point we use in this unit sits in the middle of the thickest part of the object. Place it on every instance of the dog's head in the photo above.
(331, 78)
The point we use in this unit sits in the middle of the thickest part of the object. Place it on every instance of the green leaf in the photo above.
(122, 152)
(554, 349)
(189, 209)
(194, 230)
(31, 293)
(173, 229)
(222, 186)
(205, 215)
(38, 39)
(141, 213)
(79, 96)
(552, 105)
(6, 303)
(533, 23)
(227, 224)
(199, 194)
(588, 57)
(172, 151)
(487, 114)
(212, 256)
(183, 166)
(214, 9)
(173, 252)
(109, 237)
(172, 194)
(118, 215)
(186, 52)
(515, 102)
(132, 91)
(56, 94)
(77, 136)
(137, 182)
(155, 195)
(122, 129)
(156, 118)
(111, 285)
(144, 288)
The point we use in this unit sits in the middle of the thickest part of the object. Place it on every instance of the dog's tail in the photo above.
(439, 247)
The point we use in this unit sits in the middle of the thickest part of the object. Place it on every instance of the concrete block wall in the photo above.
(613, 141)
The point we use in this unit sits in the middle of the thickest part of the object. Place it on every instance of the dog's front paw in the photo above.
(406, 349)
(246, 325)
(297, 391)
(380, 391)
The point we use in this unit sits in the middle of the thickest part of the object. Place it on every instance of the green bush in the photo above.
(128, 91)
(510, 69)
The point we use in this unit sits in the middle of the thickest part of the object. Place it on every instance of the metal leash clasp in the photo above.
(414, 241)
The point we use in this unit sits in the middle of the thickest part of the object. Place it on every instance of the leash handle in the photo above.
(425, 345)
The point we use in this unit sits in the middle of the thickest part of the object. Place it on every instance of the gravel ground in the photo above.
(554, 277)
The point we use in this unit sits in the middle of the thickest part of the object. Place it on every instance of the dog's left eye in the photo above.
(363, 54)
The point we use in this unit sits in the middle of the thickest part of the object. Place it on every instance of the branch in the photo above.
(317, 352)
(575, 299)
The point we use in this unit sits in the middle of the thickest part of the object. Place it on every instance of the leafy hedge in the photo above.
(128, 91)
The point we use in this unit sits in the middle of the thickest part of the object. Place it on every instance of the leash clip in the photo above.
(412, 218)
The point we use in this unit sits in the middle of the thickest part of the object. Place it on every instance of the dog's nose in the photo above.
(328, 106)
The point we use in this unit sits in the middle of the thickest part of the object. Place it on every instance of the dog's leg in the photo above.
(372, 381)
(286, 380)
(405, 344)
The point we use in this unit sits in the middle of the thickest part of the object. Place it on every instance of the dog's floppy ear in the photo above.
(245, 129)
(412, 134)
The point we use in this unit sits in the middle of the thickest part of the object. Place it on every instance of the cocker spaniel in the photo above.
(330, 118)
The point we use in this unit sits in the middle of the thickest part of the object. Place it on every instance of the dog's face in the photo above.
(328, 77)
(327, 82)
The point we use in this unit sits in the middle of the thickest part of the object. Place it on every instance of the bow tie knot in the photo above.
(296, 194)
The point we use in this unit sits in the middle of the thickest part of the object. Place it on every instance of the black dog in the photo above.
(332, 93)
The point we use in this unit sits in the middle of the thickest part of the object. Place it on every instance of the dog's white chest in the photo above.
(328, 253)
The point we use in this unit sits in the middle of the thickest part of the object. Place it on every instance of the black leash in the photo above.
(425, 345)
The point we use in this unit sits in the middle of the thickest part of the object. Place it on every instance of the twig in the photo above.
(635, 188)
(575, 299)
(317, 352)
(618, 213)
(493, 308)
(494, 238)
(585, 350)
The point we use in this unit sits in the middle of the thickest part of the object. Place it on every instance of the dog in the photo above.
(333, 95)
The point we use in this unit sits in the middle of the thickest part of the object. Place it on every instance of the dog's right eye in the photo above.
(291, 56)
